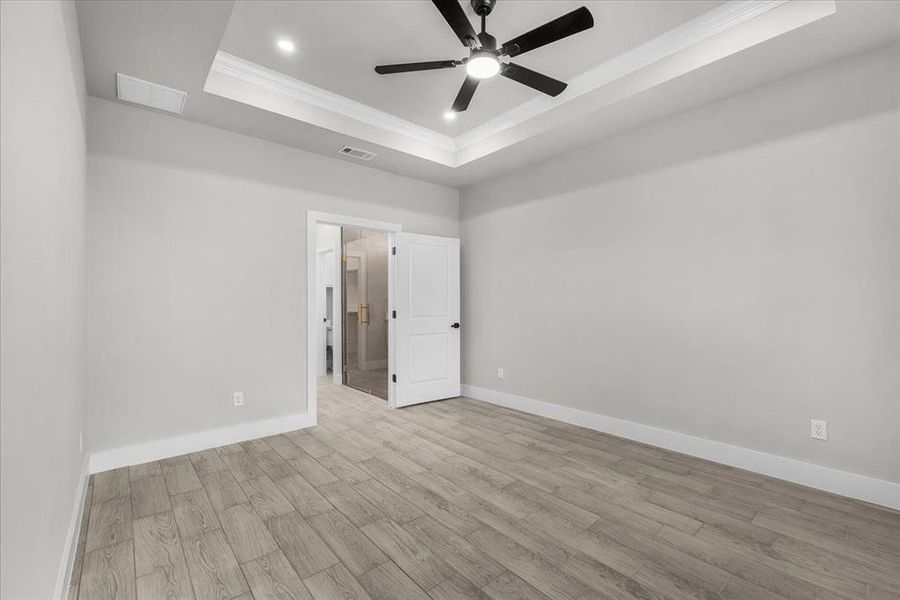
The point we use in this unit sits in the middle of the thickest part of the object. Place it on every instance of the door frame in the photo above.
(313, 219)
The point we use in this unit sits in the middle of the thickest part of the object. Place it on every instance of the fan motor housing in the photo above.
(488, 42)
(483, 7)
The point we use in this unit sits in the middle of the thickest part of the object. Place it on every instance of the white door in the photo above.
(427, 326)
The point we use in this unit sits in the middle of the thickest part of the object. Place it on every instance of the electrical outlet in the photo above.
(499, 373)
(238, 398)
(818, 430)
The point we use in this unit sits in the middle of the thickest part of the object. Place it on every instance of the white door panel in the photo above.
(427, 343)
(428, 357)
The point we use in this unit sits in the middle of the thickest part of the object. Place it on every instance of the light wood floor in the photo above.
(460, 499)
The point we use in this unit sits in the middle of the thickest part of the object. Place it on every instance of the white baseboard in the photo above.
(64, 576)
(156, 450)
(844, 483)
(136, 454)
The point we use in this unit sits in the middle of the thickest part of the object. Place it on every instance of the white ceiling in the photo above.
(339, 43)
(174, 43)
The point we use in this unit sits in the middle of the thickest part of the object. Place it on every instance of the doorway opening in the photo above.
(349, 295)
(394, 323)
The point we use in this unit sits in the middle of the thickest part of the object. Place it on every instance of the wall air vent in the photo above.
(132, 89)
(357, 153)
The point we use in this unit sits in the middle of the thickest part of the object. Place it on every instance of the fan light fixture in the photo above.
(483, 65)
(484, 57)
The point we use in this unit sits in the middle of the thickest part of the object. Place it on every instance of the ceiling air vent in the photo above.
(132, 89)
(357, 153)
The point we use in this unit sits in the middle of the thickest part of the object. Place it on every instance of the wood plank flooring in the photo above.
(460, 499)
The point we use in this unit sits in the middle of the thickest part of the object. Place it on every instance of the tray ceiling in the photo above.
(339, 43)
(624, 74)
(654, 43)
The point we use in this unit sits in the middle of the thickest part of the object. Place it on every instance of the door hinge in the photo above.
(394, 378)
(344, 258)
(393, 314)
(394, 250)
(344, 368)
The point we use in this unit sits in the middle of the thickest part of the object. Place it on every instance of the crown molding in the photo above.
(250, 72)
(370, 124)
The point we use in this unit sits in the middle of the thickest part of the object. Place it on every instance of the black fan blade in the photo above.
(419, 66)
(458, 21)
(465, 94)
(533, 79)
(569, 24)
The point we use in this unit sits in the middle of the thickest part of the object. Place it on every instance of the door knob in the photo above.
(455, 326)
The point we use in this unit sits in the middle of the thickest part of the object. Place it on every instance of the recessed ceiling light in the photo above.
(450, 115)
(286, 45)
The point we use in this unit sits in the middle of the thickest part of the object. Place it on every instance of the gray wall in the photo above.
(42, 274)
(197, 268)
(729, 273)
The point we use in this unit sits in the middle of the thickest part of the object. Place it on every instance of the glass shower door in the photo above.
(364, 287)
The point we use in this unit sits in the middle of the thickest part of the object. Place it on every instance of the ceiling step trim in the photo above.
(250, 72)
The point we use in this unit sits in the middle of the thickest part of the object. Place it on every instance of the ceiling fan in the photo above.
(484, 57)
